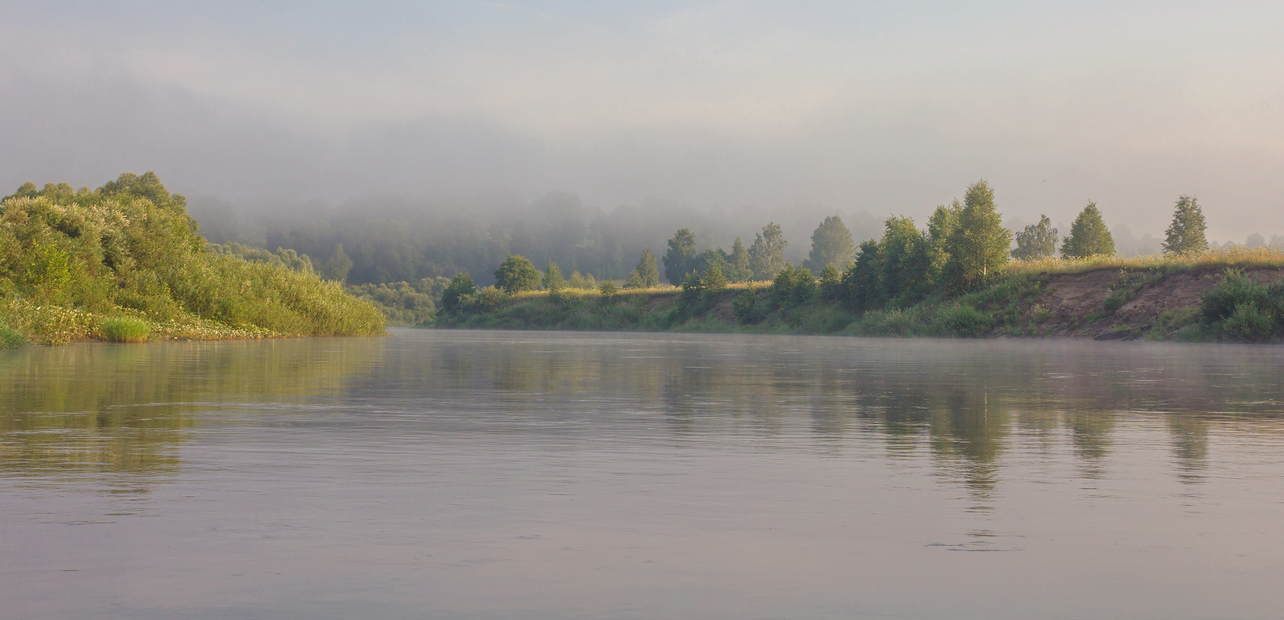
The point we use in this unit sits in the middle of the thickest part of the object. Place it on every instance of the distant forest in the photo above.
(386, 239)
(394, 240)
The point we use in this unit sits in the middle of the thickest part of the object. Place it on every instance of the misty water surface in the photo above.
(531, 475)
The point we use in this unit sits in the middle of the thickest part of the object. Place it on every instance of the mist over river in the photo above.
(467, 474)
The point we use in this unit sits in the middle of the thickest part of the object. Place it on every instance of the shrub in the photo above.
(966, 321)
(747, 307)
(1240, 309)
(1249, 323)
(126, 329)
(11, 338)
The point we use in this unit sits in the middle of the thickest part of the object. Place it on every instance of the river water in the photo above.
(457, 474)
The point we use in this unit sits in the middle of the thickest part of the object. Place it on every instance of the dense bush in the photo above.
(130, 245)
(1240, 309)
(400, 302)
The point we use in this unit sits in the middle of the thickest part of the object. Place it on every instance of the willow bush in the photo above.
(71, 259)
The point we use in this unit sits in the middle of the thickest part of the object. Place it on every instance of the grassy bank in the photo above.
(1225, 295)
(124, 262)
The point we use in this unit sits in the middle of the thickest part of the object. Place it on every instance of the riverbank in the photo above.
(1106, 298)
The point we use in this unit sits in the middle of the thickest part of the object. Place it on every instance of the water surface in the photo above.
(454, 474)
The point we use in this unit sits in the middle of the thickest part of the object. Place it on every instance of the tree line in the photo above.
(962, 245)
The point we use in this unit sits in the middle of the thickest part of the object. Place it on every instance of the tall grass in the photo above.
(1240, 257)
(11, 338)
(126, 329)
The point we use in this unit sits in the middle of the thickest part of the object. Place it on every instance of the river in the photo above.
(464, 474)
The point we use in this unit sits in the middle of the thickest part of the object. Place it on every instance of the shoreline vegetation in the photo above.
(125, 263)
(960, 276)
(1222, 295)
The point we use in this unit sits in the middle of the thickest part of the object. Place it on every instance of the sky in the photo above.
(888, 107)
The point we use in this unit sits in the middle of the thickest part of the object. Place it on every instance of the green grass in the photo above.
(126, 329)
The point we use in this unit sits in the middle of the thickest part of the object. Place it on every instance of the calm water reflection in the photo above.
(520, 475)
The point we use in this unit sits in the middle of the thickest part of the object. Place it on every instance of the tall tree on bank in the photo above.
(740, 263)
(979, 245)
(553, 280)
(1088, 235)
(767, 254)
(1186, 233)
(901, 251)
(831, 244)
(677, 261)
(516, 274)
(939, 229)
(647, 269)
(1036, 241)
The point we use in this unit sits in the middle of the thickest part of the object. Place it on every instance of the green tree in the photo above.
(714, 281)
(767, 254)
(862, 282)
(1036, 241)
(647, 270)
(740, 263)
(338, 265)
(831, 283)
(460, 285)
(1186, 233)
(901, 250)
(939, 229)
(515, 274)
(634, 280)
(831, 244)
(677, 261)
(1088, 235)
(692, 287)
(553, 280)
(979, 245)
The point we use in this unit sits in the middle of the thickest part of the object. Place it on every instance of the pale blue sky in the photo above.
(883, 106)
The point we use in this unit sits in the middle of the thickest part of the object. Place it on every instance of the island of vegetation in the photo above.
(959, 277)
(125, 262)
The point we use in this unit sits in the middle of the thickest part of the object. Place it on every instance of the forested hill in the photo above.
(126, 262)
